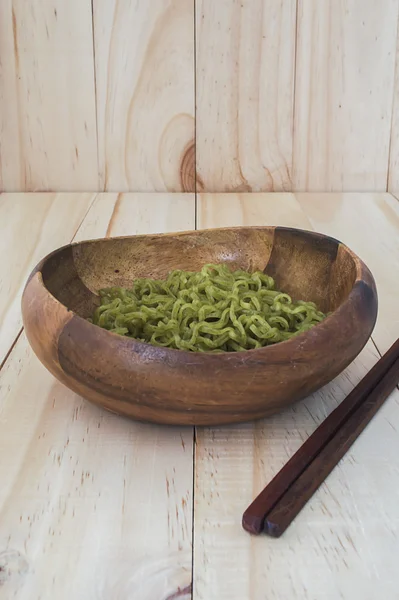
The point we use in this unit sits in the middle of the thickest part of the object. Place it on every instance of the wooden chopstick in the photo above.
(278, 504)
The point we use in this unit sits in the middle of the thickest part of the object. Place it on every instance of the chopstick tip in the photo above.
(252, 523)
(272, 529)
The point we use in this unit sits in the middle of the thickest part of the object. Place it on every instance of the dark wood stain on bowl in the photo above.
(171, 386)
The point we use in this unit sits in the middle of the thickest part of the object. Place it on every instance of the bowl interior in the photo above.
(306, 265)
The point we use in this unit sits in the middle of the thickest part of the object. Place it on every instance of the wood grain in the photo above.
(345, 423)
(117, 112)
(343, 94)
(244, 86)
(250, 209)
(47, 95)
(371, 223)
(393, 176)
(36, 225)
(140, 380)
(349, 529)
(340, 544)
(134, 213)
(144, 54)
(92, 505)
(334, 451)
(84, 500)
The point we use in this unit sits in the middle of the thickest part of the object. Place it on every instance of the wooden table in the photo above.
(93, 506)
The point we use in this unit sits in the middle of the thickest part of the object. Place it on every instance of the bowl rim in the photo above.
(361, 271)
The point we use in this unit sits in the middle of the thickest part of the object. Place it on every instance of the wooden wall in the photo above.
(213, 95)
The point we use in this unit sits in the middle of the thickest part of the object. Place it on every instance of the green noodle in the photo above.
(213, 310)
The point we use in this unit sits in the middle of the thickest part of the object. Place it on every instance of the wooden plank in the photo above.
(245, 86)
(92, 504)
(48, 121)
(36, 225)
(340, 544)
(135, 213)
(369, 224)
(144, 54)
(393, 179)
(234, 210)
(343, 94)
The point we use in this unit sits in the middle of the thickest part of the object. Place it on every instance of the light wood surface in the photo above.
(47, 96)
(144, 54)
(354, 219)
(235, 95)
(34, 225)
(85, 496)
(244, 94)
(130, 214)
(343, 94)
(339, 545)
(370, 224)
(393, 178)
(92, 505)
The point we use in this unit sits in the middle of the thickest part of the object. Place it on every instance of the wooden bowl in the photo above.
(174, 386)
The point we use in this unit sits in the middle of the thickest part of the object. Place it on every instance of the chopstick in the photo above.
(279, 503)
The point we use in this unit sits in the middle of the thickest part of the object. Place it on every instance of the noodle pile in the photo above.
(213, 310)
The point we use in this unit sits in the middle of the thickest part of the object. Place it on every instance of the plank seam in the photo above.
(196, 227)
(193, 512)
(14, 343)
(379, 353)
(195, 112)
(11, 348)
(84, 217)
(294, 96)
(375, 345)
(95, 93)
(395, 75)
